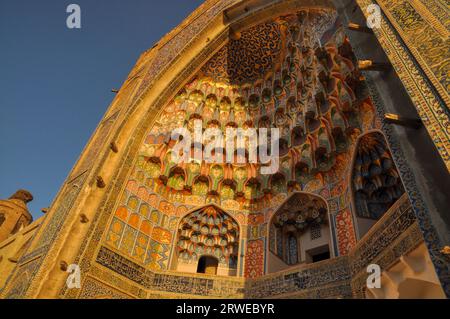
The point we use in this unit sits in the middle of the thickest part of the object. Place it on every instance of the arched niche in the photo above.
(375, 181)
(299, 232)
(207, 242)
(208, 265)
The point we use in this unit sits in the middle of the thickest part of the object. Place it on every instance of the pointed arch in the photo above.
(299, 232)
(374, 180)
(207, 231)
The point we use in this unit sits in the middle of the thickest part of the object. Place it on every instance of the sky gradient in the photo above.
(55, 82)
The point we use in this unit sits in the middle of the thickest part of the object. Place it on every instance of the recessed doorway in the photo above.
(207, 265)
(318, 254)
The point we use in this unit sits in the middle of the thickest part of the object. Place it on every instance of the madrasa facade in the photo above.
(358, 90)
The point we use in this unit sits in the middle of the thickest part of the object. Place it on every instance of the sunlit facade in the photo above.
(349, 192)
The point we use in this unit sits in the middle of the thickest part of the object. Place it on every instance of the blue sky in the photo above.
(55, 82)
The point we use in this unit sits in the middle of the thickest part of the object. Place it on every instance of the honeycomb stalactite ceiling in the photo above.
(299, 212)
(287, 81)
(375, 178)
(298, 74)
(208, 231)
